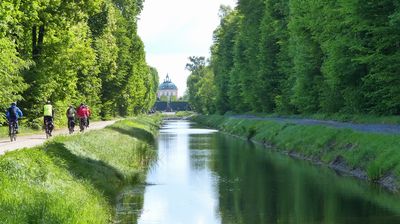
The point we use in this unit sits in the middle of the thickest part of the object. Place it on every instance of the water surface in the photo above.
(203, 176)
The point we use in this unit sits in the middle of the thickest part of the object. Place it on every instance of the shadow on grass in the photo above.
(105, 178)
(138, 133)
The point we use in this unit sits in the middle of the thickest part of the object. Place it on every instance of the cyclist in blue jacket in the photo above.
(13, 113)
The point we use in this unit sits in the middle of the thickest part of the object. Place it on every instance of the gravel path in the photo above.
(372, 128)
(38, 139)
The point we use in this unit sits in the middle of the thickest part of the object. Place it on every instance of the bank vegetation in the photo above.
(76, 179)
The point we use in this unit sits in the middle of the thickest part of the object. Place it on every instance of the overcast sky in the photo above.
(174, 30)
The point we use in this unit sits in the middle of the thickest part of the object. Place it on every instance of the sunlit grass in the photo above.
(353, 118)
(74, 179)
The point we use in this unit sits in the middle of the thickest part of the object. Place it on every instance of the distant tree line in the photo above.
(70, 52)
(303, 56)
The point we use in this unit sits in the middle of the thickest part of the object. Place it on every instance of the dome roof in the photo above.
(167, 84)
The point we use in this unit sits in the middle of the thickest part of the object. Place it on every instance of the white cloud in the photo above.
(174, 30)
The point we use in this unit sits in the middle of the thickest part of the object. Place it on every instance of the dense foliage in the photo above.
(307, 56)
(71, 52)
(201, 86)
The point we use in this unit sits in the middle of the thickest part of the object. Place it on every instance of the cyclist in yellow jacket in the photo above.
(48, 115)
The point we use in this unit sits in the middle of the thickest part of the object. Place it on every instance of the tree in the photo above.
(222, 56)
(196, 66)
(71, 52)
(12, 84)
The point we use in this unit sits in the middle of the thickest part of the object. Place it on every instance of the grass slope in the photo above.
(75, 179)
(375, 154)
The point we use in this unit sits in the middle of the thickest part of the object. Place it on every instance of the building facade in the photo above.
(167, 90)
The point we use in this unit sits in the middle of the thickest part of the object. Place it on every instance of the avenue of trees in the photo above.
(302, 56)
(70, 52)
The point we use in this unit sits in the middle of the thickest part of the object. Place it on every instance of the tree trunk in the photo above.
(37, 41)
(40, 39)
(34, 40)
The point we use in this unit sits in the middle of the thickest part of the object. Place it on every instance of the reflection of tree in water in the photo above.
(129, 205)
(257, 186)
(200, 152)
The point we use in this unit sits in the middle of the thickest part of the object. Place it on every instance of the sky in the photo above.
(174, 30)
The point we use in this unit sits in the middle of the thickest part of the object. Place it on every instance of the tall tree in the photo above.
(222, 56)
(196, 66)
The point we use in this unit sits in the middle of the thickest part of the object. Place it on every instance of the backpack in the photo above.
(12, 111)
(70, 112)
(83, 112)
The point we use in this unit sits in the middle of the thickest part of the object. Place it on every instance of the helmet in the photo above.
(48, 102)
(13, 103)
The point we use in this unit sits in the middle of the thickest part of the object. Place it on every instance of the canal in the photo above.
(203, 176)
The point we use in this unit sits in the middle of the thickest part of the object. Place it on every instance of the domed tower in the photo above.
(167, 90)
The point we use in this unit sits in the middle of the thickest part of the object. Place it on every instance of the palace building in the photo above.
(167, 90)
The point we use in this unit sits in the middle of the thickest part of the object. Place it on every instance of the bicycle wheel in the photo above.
(11, 131)
(46, 129)
(12, 134)
(71, 126)
(82, 124)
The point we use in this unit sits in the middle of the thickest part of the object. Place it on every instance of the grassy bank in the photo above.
(353, 118)
(372, 156)
(75, 179)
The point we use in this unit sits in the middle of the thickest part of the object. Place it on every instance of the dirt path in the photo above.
(373, 128)
(38, 139)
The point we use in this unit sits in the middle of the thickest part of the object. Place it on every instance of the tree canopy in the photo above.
(307, 56)
(72, 52)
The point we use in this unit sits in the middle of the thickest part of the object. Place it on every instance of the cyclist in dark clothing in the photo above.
(71, 113)
(13, 113)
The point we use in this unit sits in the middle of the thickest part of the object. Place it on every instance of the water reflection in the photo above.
(129, 205)
(207, 177)
(184, 190)
(256, 186)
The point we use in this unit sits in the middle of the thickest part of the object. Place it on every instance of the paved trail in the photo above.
(38, 139)
(373, 128)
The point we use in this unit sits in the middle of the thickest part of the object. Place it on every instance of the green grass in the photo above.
(184, 113)
(377, 154)
(354, 118)
(75, 179)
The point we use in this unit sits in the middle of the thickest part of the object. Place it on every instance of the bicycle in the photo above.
(48, 128)
(82, 123)
(71, 125)
(12, 130)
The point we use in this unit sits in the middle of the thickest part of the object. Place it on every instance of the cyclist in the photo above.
(71, 113)
(83, 114)
(89, 113)
(48, 115)
(12, 115)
